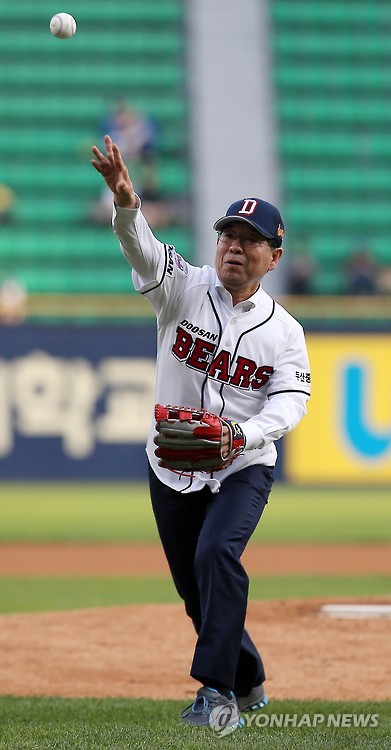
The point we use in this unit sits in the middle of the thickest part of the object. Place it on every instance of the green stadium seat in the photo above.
(328, 46)
(64, 173)
(135, 42)
(321, 145)
(336, 180)
(333, 12)
(340, 213)
(313, 79)
(168, 108)
(134, 11)
(78, 242)
(19, 76)
(76, 280)
(329, 247)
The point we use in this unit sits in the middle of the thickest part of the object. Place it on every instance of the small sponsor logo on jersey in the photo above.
(181, 263)
(174, 259)
(201, 331)
(303, 376)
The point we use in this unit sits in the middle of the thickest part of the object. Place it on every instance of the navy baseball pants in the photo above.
(203, 537)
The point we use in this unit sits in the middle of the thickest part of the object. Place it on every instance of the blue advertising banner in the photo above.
(75, 402)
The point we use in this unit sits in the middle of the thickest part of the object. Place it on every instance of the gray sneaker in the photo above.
(254, 701)
(211, 709)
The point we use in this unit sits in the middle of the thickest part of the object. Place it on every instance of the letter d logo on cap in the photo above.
(248, 207)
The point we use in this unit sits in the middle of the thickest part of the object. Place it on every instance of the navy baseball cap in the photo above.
(264, 217)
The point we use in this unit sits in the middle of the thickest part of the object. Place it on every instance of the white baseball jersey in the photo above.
(248, 362)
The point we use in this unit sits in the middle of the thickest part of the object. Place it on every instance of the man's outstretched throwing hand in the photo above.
(114, 171)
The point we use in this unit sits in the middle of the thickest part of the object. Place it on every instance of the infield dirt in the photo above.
(146, 651)
(148, 559)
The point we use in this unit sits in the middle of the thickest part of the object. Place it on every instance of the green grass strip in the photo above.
(122, 512)
(76, 512)
(120, 724)
(53, 594)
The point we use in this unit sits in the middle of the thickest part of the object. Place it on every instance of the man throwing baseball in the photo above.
(232, 378)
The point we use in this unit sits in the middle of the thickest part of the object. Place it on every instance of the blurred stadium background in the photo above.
(286, 100)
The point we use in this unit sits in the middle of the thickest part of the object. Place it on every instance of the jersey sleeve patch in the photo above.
(175, 260)
(181, 264)
(302, 376)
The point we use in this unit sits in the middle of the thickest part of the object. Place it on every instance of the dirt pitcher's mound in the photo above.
(146, 651)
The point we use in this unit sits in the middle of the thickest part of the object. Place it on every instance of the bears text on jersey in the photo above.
(202, 355)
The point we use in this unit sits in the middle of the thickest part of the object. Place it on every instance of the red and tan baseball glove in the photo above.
(195, 440)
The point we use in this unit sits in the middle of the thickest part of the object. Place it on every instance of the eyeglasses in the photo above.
(227, 236)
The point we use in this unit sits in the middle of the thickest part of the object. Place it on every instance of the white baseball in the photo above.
(63, 25)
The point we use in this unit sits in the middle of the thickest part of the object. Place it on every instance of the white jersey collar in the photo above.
(259, 297)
